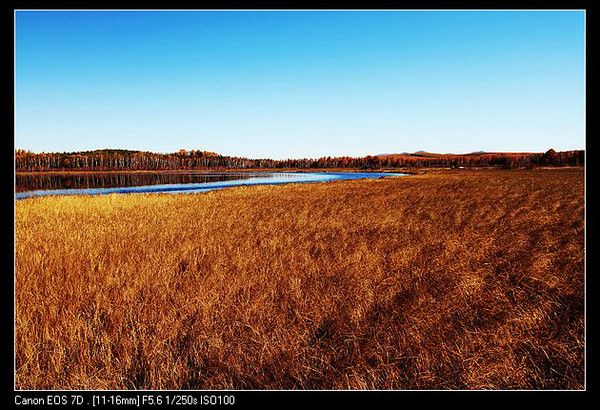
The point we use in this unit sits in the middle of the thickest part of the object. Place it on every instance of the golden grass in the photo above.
(465, 280)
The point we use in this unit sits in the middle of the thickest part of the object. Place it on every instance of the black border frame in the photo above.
(301, 398)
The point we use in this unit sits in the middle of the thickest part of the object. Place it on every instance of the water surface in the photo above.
(31, 185)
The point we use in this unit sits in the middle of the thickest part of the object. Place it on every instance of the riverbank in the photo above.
(405, 170)
(219, 170)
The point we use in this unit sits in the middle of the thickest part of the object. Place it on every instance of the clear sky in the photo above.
(300, 84)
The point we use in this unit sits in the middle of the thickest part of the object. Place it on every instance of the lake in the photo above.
(32, 185)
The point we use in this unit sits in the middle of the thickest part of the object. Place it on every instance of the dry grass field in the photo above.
(448, 280)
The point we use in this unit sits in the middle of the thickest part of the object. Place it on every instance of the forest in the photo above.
(109, 160)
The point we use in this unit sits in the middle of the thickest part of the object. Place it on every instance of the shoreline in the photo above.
(412, 171)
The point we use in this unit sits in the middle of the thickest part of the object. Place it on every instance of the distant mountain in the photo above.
(425, 154)
(412, 154)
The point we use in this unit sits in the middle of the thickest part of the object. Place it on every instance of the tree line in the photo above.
(113, 160)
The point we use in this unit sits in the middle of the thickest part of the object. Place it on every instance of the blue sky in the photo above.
(300, 84)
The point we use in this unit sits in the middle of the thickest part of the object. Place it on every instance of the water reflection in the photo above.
(34, 182)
